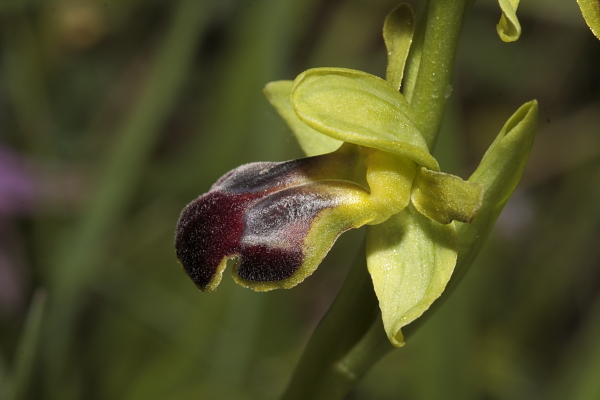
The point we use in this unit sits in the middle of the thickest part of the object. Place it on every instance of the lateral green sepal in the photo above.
(444, 197)
(359, 108)
(311, 142)
(410, 258)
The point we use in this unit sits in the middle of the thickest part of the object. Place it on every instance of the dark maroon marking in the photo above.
(209, 229)
(266, 264)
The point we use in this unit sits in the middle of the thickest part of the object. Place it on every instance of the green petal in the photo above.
(410, 258)
(398, 32)
(509, 28)
(499, 173)
(312, 142)
(444, 197)
(359, 108)
(591, 13)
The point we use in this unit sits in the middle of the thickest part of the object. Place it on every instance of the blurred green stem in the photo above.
(14, 384)
(350, 338)
(28, 345)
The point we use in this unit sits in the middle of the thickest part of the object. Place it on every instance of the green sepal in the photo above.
(311, 142)
(444, 197)
(398, 30)
(410, 258)
(499, 173)
(509, 28)
(591, 13)
(359, 108)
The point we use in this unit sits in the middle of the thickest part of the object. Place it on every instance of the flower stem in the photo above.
(431, 62)
(346, 343)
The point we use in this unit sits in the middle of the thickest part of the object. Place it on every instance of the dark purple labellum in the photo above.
(259, 215)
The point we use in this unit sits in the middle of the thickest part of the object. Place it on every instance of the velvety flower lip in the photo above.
(211, 227)
(260, 216)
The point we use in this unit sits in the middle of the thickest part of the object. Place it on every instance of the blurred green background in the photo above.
(115, 114)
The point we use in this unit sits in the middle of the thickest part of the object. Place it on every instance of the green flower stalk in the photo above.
(369, 164)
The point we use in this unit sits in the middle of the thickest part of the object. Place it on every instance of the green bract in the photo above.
(499, 173)
(370, 165)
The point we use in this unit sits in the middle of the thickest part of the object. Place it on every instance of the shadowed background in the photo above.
(115, 114)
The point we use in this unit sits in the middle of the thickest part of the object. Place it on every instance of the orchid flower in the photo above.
(368, 165)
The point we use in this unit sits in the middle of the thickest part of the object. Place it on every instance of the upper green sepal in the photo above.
(359, 108)
(509, 28)
(312, 142)
(591, 13)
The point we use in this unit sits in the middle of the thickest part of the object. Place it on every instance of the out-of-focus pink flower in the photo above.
(18, 190)
(17, 186)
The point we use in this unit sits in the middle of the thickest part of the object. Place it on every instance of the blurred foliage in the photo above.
(114, 114)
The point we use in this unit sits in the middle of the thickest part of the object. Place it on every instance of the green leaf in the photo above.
(499, 173)
(312, 142)
(509, 28)
(398, 30)
(410, 258)
(359, 108)
(591, 13)
(444, 197)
